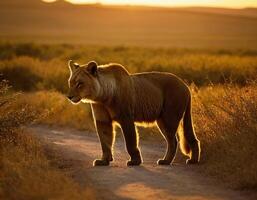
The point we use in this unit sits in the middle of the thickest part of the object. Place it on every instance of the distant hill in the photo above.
(34, 20)
(246, 12)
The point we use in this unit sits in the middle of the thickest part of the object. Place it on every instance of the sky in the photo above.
(212, 3)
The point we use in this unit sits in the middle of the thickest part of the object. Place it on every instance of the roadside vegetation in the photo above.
(225, 119)
(26, 172)
(224, 89)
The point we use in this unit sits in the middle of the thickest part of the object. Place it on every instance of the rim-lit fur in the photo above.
(128, 99)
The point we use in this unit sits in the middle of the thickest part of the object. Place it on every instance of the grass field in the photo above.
(214, 50)
(45, 66)
(26, 172)
(223, 83)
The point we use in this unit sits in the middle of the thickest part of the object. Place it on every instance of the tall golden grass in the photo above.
(58, 110)
(226, 123)
(25, 171)
(31, 67)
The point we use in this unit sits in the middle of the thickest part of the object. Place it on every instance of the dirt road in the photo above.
(149, 181)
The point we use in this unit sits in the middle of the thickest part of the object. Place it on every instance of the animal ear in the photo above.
(73, 66)
(92, 68)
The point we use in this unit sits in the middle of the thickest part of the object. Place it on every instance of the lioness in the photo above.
(117, 96)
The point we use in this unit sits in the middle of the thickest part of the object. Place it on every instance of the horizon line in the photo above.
(149, 5)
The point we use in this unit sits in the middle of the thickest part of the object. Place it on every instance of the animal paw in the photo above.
(99, 162)
(163, 162)
(191, 161)
(134, 162)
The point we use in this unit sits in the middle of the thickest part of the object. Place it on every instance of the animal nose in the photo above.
(69, 97)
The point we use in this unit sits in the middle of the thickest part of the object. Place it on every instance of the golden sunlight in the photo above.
(212, 3)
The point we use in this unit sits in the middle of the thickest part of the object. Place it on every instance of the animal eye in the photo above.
(79, 84)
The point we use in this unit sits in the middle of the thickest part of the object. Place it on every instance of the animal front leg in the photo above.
(131, 139)
(105, 133)
(106, 137)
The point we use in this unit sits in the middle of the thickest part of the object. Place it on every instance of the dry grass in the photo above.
(59, 110)
(27, 174)
(226, 122)
(31, 67)
(25, 171)
(28, 74)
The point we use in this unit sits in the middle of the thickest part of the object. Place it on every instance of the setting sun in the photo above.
(212, 3)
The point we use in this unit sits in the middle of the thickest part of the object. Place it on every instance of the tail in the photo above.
(189, 144)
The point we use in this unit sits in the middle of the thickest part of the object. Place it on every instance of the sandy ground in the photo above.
(117, 181)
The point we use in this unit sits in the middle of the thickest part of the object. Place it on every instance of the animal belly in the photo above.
(148, 101)
(148, 111)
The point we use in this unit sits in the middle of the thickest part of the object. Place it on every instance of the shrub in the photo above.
(29, 74)
(25, 172)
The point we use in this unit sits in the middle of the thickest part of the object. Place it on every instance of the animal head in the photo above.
(83, 82)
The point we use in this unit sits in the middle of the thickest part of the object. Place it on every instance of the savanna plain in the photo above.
(33, 87)
(212, 49)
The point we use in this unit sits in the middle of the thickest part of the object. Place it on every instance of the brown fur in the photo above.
(118, 96)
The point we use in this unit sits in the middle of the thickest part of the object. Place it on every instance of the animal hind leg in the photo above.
(169, 130)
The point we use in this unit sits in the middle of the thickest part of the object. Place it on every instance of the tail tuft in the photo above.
(189, 143)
